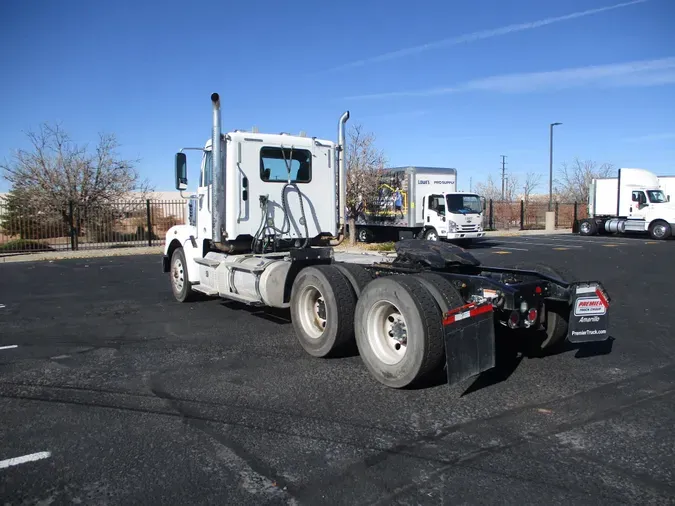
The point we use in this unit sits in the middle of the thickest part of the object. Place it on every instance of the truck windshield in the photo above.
(656, 196)
(464, 204)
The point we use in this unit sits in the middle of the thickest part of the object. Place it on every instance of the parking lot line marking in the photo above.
(2, 306)
(516, 249)
(652, 242)
(502, 252)
(587, 240)
(560, 249)
(611, 245)
(9, 347)
(23, 459)
(539, 243)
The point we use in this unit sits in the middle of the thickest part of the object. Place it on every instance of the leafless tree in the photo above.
(488, 190)
(511, 188)
(574, 179)
(56, 171)
(532, 180)
(364, 165)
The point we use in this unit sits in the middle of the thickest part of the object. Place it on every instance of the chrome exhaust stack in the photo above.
(219, 234)
(342, 173)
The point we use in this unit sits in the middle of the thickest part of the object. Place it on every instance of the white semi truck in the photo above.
(264, 219)
(633, 202)
(422, 203)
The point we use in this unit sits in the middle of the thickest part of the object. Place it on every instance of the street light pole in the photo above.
(550, 169)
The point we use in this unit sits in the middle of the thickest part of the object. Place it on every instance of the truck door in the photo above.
(639, 205)
(205, 197)
(435, 213)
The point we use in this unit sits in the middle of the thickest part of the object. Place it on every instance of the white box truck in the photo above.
(421, 202)
(632, 202)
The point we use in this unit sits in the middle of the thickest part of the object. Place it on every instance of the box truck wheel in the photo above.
(180, 284)
(322, 309)
(430, 234)
(659, 230)
(399, 331)
(556, 314)
(588, 227)
(364, 234)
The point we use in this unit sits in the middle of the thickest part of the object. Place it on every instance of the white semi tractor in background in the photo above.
(430, 208)
(268, 211)
(636, 201)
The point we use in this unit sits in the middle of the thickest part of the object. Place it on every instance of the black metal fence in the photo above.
(521, 215)
(26, 227)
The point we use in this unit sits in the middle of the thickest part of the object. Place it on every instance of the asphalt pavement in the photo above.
(113, 393)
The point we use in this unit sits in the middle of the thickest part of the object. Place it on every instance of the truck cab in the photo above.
(452, 215)
(633, 202)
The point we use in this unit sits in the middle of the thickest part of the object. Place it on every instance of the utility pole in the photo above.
(503, 174)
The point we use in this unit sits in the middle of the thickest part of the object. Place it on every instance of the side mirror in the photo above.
(181, 172)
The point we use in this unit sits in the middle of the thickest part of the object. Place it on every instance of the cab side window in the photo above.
(437, 203)
(639, 198)
(207, 172)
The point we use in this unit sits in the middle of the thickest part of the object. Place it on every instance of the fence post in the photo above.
(492, 217)
(522, 214)
(71, 219)
(575, 220)
(557, 214)
(147, 209)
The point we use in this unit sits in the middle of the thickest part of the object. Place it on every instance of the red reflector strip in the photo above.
(602, 298)
(454, 315)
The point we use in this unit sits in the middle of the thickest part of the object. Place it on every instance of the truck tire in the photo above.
(588, 227)
(441, 287)
(357, 275)
(180, 284)
(430, 234)
(659, 230)
(322, 310)
(556, 314)
(400, 305)
(364, 234)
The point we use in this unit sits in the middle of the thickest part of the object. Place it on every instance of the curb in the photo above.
(71, 255)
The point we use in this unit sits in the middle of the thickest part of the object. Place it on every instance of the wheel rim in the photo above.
(178, 275)
(362, 235)
(659, 231)
(431, 236)
(585, 227)
(312, 312)
(387, 332)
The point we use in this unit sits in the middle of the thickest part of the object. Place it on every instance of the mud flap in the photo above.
(469, 341)
(589, 313)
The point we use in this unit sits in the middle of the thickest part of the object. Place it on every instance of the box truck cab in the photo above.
(632, 202)
(450, 216)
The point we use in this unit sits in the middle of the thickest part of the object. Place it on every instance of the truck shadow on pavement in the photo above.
(511, 352)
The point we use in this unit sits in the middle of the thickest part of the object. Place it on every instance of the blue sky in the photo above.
(447, 83)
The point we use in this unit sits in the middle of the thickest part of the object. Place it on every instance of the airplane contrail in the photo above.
(484, 34)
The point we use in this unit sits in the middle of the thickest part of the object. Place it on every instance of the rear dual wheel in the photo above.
(323, 301)
(396, 321)
(399, 330)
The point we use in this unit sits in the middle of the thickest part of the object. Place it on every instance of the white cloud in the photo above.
(483, 34)
(634, 74)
